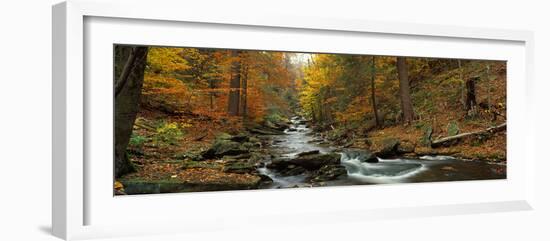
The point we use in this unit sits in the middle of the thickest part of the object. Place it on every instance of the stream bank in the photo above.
(291, 155)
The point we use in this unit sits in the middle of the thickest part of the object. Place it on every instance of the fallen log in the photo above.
(446, 140)
(264, 131)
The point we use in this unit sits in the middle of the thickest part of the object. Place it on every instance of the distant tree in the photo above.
(471, 103)
(235, 84)
(373, 91)
(244, 84)
(129, 71)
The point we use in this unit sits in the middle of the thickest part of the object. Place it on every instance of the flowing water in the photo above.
(299, 138)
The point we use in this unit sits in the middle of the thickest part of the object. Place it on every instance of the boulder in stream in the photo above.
(361, 155)
(279, 164)
(316, 161)
(328, 173)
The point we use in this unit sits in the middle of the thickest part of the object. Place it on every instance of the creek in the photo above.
(299, 138)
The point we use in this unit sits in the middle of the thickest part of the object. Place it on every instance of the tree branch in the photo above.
(124, 76)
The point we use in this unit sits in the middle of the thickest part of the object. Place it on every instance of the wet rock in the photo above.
(296, 170)
(316, 140)
(265, 180)
(328, 173)
(291, 129)
(308, 153)
(361, 155)
(279, 164)
(279, 126)
(316, 161)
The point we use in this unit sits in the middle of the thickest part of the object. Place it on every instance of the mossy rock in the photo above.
(388, 147)
(222, 147)
(239, 167)
(405, 147)
(188, 155)
(137, 186)
(427, 136)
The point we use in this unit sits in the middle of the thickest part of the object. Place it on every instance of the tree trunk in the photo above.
(127, 96)
(235, 84)
(373, 91)
(211, 94)
(488, 79)
(462, 85)
(471, 102)
(244, 86)
(404, 89)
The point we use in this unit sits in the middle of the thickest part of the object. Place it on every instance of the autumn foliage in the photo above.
(181, 101)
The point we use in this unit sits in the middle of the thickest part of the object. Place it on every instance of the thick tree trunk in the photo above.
(471, 103)
(404, 89)
(235, 84)
(373, 91)
(129, 67)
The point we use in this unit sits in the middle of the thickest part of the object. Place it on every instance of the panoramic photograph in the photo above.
(190, 119)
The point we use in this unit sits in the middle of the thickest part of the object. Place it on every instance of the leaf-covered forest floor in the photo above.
(442, 113)
(163, 147)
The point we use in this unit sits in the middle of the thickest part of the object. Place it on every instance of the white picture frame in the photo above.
(79, 25)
